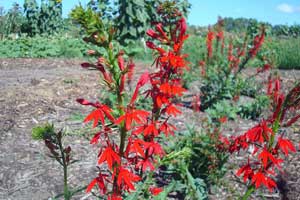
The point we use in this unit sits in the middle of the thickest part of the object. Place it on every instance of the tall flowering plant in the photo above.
(223, 63)
(124, 159)
(267, 141)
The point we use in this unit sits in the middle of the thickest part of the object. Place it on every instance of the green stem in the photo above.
(67, 194)
(248, 193)
(66, 189)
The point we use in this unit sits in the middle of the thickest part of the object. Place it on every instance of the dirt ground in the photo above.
(34, 91)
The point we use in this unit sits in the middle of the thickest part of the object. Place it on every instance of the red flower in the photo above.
(247, 171)
(259, 133)
(223, 120)
(155, 148)
(98, 114)
(127, 178)
(266, 156)
(172, 89)
(171, 110)
(286, 145)
(144, 78)
(137, 147)
(100, 182)
(114, 197)
(110, 156)
(159, 28)
(145, 164)
(152, 34)
(155, 190)
(132, 115)
(259, 178)
(167, 128)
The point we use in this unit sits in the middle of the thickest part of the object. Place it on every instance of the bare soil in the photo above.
(35, 91)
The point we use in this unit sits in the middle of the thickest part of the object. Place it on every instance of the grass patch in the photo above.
(287, 53)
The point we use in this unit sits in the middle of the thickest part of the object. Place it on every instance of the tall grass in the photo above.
(287, 53)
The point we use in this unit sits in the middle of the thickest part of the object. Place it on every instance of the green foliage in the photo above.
(42, 132)
(31, 11)
(132, 20)
(286, 31)
(222, 109)
(253, 110)
(195, 48)
(195, 162)
(43, 47)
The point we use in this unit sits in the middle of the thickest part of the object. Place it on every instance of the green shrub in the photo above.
(43, 47)
(196, 162)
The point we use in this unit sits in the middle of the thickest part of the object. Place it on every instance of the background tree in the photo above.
(46, 19)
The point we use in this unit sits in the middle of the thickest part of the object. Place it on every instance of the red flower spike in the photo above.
(127, 178)
(122, 83)
(209, 40)
(110, 156)
(259, 133)
(285, 145)
(98, 114)
(95, 139)
(257, 43)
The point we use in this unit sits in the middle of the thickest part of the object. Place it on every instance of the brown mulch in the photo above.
(34, 91)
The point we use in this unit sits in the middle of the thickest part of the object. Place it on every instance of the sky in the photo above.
(206, 12)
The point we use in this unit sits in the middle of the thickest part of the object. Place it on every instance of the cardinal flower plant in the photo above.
(267, 141)
(129, 137)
